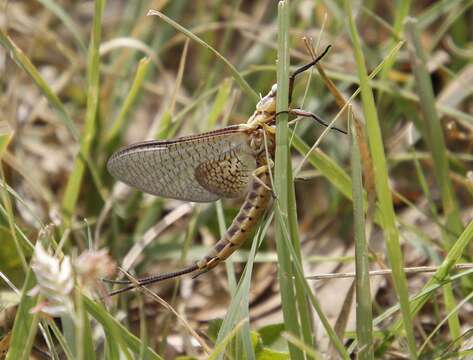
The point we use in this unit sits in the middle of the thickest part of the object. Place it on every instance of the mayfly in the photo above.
(225, 163)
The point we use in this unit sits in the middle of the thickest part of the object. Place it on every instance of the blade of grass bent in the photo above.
(235, 74)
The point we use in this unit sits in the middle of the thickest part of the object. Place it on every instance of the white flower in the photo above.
(55, 282)
(93, 265)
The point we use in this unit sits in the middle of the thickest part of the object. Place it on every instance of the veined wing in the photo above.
(199, 168)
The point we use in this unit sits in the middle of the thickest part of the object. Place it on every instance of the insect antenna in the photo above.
(307, 114)
(304, 68)
(302, 113)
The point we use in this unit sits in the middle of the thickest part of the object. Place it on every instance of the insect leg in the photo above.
(269, 161)
(261, 170)
(269, 129)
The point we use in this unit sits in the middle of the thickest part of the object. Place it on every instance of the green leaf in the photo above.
(117, 334)
(25, 325)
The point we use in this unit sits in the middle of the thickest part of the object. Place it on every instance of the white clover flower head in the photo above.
(92, 265)
(55, 282)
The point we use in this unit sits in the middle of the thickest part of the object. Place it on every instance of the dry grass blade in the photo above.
(153, 233)
(342, 319)
(384, 272)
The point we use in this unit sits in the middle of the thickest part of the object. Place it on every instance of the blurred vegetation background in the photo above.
(80, 79)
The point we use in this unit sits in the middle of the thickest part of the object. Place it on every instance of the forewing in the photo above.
(175, 169)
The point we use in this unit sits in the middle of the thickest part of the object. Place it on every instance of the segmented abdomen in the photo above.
(242, 226)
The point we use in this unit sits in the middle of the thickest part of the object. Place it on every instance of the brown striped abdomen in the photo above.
(242, 226)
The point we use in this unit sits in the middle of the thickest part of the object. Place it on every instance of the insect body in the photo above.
(225, 163)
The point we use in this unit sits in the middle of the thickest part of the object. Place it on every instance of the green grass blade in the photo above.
(433, 134)
(23, 62)
(453, 256)
(382, 186)
(10, 217)
(60, 339)
(435, 11)
(6, 134)
(364, 315)
(305, 314)
(445, 319)
(25, 324)
(282, 164)
(121, 122)
(302, 346)
(28, 248)
(338, 345)
(218, 351)
(327, 166)
(419, 299)
(66, 20)
(83, 331)
(425, 294)
(402, 10)
(461, 116)
(239, 306)
(432, 129)
(119, 333)
(93, 76)
(219, 103)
